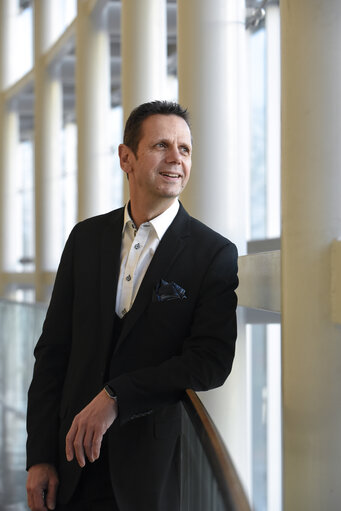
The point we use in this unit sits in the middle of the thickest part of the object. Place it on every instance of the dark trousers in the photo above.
(96, 505)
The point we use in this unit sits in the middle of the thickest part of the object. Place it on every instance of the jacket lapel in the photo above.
(109, 271)
(170, 247)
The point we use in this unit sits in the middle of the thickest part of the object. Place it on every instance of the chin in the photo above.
(171, 195)
(168, 194)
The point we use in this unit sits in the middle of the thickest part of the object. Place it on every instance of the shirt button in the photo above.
(137, 246)
(128, 278)
(124, 312)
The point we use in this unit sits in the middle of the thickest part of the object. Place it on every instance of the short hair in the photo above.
(132, 131)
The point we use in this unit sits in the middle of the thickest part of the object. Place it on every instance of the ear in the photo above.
(126, 156)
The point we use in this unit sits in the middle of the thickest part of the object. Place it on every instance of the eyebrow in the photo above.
(168, 141)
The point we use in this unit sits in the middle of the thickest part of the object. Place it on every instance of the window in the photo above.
(263, 329)
(25, 200)
(20, 52)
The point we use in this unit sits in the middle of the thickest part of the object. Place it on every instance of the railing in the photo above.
(209, 480)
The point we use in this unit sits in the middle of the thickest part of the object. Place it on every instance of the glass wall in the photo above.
(257, 69)
(264, 337)
(112, 176)
(264, 352)
(62, 13)
(19, 196)
(25, 206)
(20, 326)
(264, 72)
(68, 179)
(20, 41)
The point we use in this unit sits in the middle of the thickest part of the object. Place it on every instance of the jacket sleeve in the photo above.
(52, 354)
(207, 354)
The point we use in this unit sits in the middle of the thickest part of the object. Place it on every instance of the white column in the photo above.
(48, 112)
(10, 215)
(43, 33)
(144, 54)
(212, 84)
(3, 66)
(49, 146)
(9, 139)
(93, 103)
(311, 216)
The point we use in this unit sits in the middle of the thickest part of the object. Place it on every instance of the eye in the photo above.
(184, 149)
(161, 144)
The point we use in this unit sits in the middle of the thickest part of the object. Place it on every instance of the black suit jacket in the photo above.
(163, 349)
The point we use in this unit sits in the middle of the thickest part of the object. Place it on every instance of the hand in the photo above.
(42, 480)
(88, 427)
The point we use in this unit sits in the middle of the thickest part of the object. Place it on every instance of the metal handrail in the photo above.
(230, 487)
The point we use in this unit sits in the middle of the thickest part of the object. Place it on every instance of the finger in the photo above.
(29, 498)
(35, 499)
(69, 440)
(38, 501)
(88, 440)
(52, 494)
(79, 448)
(96, 445)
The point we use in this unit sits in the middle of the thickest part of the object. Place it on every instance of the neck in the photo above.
(144, 213)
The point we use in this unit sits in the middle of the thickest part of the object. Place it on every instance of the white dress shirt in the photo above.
(137, 250)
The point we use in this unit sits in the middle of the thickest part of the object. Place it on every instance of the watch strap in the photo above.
(109, 391)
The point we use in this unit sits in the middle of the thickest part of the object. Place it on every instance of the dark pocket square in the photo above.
(165, 291)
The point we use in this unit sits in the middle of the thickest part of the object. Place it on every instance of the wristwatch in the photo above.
(110, 392)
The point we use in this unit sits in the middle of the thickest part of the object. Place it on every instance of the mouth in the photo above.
(171, 175)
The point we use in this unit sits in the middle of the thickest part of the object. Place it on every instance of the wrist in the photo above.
(110, 392)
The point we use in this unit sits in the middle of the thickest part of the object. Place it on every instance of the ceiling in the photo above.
(255, 13)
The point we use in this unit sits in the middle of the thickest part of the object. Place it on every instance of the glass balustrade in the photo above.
(20, 326)
(209, 481)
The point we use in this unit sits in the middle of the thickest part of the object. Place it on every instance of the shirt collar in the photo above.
(160, 223)
(127, 218)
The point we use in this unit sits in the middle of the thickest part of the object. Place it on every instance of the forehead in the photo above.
(165, 127)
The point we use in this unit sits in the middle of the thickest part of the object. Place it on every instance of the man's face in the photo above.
(162, 165)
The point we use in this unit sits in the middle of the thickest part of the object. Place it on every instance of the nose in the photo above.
(173, 155)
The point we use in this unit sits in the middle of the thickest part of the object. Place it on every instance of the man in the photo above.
(143, 308)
